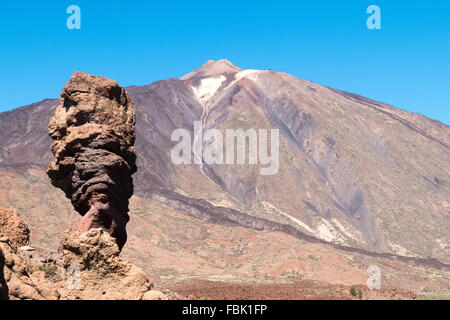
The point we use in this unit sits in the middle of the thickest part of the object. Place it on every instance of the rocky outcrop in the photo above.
(93, 132)
(19, 277)
(91, 268)
(96, 271)
(13, 229)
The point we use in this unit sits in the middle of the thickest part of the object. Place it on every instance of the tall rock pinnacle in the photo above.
(93, 132)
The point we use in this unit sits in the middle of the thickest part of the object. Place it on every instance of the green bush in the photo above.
(353, 292)
(359, 294)
(50, 269)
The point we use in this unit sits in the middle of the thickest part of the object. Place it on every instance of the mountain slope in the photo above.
(353, 172)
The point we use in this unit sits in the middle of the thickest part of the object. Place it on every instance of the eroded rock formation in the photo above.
(93, 132)
(90, 267)
(103, 274)
(19, 277)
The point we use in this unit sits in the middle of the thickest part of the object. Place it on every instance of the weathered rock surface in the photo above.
(155, 295)
(93, 132)
(103, 275)
(91, 268)
(19, 277)
(14, 229)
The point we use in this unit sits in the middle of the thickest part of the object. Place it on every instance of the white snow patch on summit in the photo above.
(208, 87)
(244, 73)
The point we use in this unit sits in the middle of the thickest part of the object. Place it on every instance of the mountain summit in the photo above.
(212, 76)
(212, 69)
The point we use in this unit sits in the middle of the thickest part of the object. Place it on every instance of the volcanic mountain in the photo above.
(358, 182)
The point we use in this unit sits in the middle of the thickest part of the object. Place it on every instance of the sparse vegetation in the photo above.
(50, 269)
(313, 258)
(359, 294)
(238, 121)
(205, 298)
(356, 294)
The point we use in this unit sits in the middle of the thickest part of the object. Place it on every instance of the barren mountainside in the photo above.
(353, 172)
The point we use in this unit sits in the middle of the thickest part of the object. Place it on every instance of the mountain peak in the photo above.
(223, 63)
(212, 68)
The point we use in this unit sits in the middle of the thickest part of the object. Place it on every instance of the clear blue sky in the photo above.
(406, 64)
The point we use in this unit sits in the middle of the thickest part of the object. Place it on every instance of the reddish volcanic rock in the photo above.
(14, 229)
(93, 132)
(20, 279)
